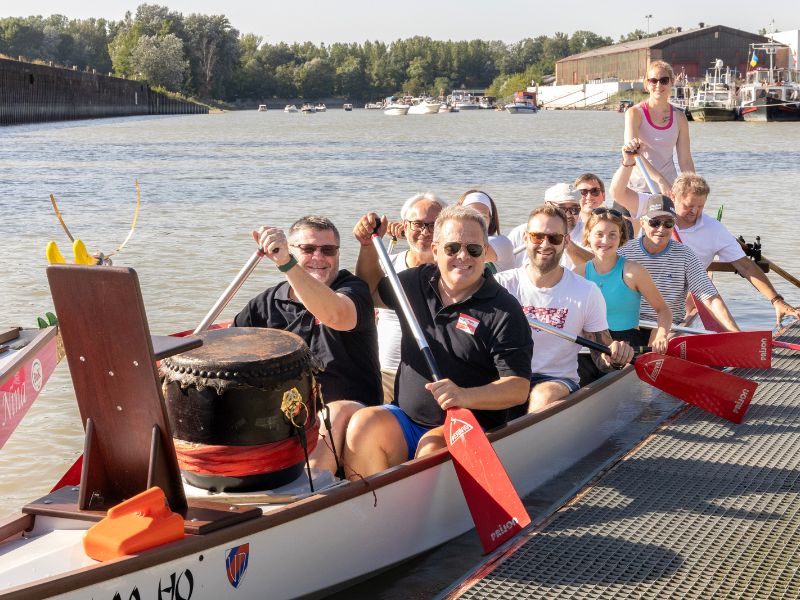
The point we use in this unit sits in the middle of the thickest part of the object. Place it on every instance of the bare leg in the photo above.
(374, 442)
(341, 413)
(546, 393)
(432, 441)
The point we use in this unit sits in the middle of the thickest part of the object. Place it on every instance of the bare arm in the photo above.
(643, 283)
(578, 254)
(621, 352)
(368, 266)
(750, 271)
(682, 146)
(619, 183)
(720, 310)
(505, 392)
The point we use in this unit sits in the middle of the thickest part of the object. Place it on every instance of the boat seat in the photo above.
(128, 446)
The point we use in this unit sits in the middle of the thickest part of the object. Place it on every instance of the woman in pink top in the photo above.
(659, 128)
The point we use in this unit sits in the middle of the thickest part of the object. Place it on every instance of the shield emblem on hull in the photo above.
(236, 560)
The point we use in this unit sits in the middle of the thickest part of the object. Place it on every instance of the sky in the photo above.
(507, 20)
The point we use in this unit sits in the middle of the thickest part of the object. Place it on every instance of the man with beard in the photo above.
(476, 332)
(331, 310)
(419, 216)
(556, 296)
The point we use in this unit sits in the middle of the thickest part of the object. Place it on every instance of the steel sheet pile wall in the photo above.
(31, 93)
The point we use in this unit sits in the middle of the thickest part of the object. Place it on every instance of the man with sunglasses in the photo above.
(675, 269)
(591, 194)
(476, 332)
(419, 214)
(558, 297)
(331, 309)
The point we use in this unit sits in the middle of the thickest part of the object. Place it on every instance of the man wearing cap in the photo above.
(500, 253)
(675, 269)
(476, 332)
(564, 197)
(419, 214)
(331, 309)
(558, 297)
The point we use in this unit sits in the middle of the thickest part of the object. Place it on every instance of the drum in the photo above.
(241, 407)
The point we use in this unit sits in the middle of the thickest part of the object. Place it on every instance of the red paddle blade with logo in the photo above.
(496, 508)
(744, 349)
(719, 393)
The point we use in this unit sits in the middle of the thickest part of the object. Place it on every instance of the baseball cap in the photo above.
(658, 205)
(561, 193)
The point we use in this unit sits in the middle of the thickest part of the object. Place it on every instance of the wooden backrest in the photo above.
(108, 346)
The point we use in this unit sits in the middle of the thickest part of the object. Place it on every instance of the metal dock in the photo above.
(701, 509)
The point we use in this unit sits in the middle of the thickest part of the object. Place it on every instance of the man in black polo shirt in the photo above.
(331, 310)
(477, 333)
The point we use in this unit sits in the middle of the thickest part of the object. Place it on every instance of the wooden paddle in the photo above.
(497, 511)
(722, 394)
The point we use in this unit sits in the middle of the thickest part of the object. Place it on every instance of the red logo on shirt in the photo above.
(317, 321)
(556, 317)
(467, 323)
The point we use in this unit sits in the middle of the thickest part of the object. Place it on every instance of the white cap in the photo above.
(478, 198)
(561, 193)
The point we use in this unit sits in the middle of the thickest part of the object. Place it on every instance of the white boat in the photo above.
(308, 109)
(348, 107)
(393, 106)
(290, 108)
(262, 108)
(523, 103)
(320, 107)
(770, 93)
(715, 99)
(307, 544)
(374, 106)
(466, 99)
(424, 106)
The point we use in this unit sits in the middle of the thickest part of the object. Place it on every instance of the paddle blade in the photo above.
(745, 349)
(779, 344)
(495, 506)
(706, 316)
(721, 394)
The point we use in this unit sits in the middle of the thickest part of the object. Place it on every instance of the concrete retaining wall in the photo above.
(31, 93)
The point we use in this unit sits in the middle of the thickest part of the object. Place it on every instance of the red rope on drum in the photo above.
(240, 461)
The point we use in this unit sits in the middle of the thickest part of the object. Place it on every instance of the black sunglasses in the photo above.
(537, 238)
(661, 80)
(656, 223)
(326, 249)
(453, 248)
(595, 191)
(572, 210)
(602, 210)
(421, 225)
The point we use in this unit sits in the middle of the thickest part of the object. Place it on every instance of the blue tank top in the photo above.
(622, 303)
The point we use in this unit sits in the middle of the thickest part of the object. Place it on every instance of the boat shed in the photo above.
(691, 51)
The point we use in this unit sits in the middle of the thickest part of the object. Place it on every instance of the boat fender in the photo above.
(139, 523)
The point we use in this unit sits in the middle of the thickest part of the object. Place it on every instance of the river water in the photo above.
(206, 180)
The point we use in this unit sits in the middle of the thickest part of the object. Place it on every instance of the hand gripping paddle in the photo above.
(497, 511)
(719, 393)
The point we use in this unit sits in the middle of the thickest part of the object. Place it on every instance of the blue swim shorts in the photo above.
(571, 385)
(412, 431)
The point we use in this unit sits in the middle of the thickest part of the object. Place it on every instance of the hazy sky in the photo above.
(507, 20)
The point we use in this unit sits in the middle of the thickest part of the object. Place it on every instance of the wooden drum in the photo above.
(239, 406)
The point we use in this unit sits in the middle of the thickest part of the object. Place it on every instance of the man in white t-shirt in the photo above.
(591, 194)
(419, 215)
(558, 297)
(707, 237)
(563, 196)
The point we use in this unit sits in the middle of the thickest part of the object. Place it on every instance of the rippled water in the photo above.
(206, 180)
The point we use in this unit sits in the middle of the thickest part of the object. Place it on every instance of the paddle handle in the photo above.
(650, 183)
(230, 291)
(405, 306)
(592, 345)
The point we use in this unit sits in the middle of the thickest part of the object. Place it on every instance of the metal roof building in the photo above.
(692, 51)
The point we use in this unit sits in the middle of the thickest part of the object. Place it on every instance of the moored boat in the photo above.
(308, 109)
(424, 106)
(715, 99)
(392, 106)
(290, 108)
(770, 93)
(262, 108)
(320, 107)
(523, 103)
(347, 107)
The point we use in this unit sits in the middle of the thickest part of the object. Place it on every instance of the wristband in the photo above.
(624, 165)
(776, 298)
(288, 264)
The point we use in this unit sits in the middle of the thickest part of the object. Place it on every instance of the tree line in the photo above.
(206, 57)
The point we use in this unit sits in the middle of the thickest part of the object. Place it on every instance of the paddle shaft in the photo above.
(650, 183)
(405, 306)
(577, 339)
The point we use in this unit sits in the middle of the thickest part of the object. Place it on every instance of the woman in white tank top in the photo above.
(660, 129)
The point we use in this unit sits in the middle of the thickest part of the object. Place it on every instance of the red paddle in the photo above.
(704, 332)
(743, 349)
(779, 344)
(719, 393)
(497, 511)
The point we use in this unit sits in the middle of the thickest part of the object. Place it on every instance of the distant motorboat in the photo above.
(424, 106)
(374, 106)
(770, 94)
(466, 99)
(308, 109)
(290, 108)
(320, 107)
(262, 108)
(348, 107)
(524, 103)
(715, 99)
(393, 107)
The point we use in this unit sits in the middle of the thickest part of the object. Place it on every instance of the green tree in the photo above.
(315, 79)
(160, 60)
(213, 51)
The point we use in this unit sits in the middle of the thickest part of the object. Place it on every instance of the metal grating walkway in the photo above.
(705, 509)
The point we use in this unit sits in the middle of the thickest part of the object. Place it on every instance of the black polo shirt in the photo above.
(349, 358)
(474, 342)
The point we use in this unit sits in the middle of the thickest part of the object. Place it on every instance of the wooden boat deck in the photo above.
(701, 509)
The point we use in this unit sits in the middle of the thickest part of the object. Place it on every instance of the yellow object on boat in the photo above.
(53, 254)
(81, 255)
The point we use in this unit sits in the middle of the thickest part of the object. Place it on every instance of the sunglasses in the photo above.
(595, 191)
(326, 249)
(421, 225)
(661, 80)
(656, 223)
(536, 238)
(602, 210)
(453, 248)
(572, 210)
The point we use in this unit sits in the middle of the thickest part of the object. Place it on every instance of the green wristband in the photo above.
(288, 265)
